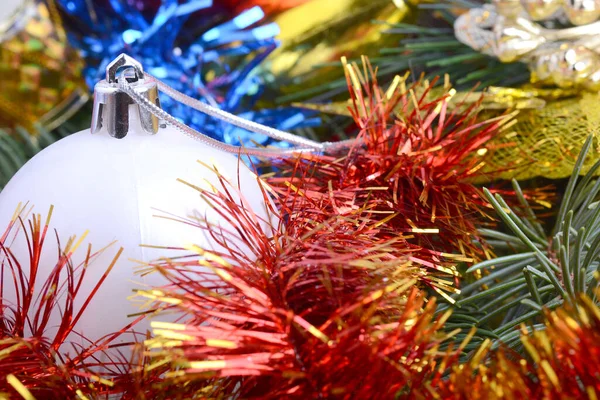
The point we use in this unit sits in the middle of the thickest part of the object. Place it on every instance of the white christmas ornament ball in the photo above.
(114, 188)
(9, 7)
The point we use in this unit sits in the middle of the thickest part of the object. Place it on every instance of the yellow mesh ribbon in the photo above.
(550, 128)
(545, 142)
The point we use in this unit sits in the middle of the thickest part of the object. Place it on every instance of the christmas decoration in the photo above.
(269, 6)
(394, 264)
(40, 76)
(42, 355)
(546, 140)
(40, 80)
(562, 362)
(315, 35)
(564, 57)
(124, 190)
(302, 319)
(415, 170)
(195, 48)
(540, 269)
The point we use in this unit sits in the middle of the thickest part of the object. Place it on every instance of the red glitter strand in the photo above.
(563, 362)
(413, 168)
(298, 314)
(270, 7)
(41, 359)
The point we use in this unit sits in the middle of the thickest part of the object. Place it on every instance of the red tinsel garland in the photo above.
(563, 362)
(44, 361)
(299, 315)
(413, 169)
(270, 7)
(328, 303)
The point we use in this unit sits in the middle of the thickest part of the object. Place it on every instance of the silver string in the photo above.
(234, 119)
(249, 125)
(304, 145)
(201, 137)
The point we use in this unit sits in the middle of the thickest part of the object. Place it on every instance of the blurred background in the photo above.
(273, 61)
(276, 62)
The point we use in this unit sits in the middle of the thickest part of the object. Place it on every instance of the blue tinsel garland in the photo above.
(213, 59)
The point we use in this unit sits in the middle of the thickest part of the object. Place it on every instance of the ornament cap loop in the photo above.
(112, 105)
(124, 61)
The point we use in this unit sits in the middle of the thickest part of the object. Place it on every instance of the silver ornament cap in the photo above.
(111, 104)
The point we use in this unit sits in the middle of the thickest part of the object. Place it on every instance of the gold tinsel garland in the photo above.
(546, 141)
(40, 74)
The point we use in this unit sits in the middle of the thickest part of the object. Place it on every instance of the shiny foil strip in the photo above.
(41, 83)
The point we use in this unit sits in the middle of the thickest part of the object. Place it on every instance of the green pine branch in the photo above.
(546, 267)
(18, 145)
(427, 46)
(17, 148)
